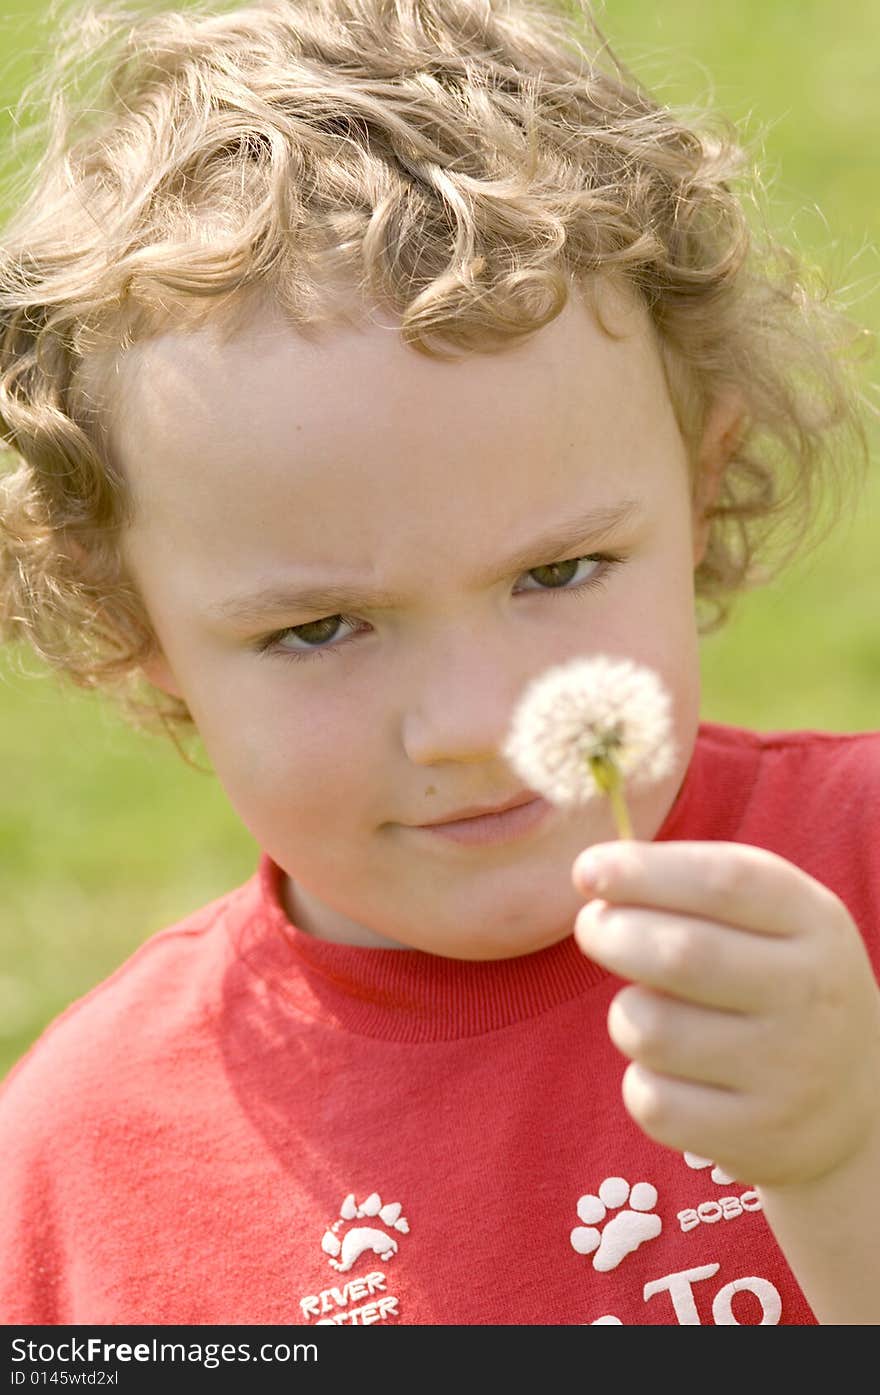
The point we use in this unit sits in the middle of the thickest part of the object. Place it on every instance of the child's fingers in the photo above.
(686, 1114)
(698, 960)
(686, 1040)
(743, 886)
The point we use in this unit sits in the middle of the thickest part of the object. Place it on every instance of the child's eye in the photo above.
(553, 578)
(316, 634)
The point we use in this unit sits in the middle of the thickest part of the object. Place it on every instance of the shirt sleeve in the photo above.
(31, 1269)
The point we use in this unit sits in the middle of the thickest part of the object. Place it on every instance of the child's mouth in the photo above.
(486, 829)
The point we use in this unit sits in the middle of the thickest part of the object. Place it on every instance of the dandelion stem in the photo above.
(620, 811)
(610, 782)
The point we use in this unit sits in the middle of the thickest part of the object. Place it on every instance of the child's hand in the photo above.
(753, 1017)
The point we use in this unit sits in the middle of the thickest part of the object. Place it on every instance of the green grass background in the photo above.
(106, 836)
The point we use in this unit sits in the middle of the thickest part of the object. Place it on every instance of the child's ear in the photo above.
(722, 434)
(157, 671)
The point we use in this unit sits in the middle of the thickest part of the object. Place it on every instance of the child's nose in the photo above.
(460, 701)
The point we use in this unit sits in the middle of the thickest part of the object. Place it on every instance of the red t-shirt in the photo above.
(247, 1125)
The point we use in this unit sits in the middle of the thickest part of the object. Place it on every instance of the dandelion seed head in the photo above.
(589, 709)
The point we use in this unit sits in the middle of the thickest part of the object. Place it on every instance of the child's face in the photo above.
(273, 462)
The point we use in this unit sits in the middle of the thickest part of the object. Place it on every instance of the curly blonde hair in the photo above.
(464, 163)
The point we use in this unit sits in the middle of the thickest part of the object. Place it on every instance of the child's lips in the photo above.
(510, 823)
(474, 811)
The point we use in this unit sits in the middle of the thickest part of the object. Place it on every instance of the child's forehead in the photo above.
(195, 412)
(353, 456)
(365, 380)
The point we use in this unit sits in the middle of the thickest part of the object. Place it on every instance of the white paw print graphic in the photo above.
(357, 1240)
(717, 1174)
(625, 1231)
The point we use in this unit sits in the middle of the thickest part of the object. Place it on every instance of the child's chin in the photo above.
(485, 946)
(504, 923)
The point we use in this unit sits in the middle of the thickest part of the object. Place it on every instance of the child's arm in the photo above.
(752, 1021)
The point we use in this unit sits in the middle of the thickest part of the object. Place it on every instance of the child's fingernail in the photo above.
(589, 871)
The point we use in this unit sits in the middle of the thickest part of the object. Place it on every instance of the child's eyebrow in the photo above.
(584, 529)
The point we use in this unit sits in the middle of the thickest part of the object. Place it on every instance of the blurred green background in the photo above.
(107, 836)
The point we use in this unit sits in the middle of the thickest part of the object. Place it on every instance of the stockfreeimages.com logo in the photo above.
(94, 1351)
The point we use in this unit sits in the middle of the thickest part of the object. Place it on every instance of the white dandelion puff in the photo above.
(582, 728)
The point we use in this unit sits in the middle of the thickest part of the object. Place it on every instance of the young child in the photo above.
(339, 339)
